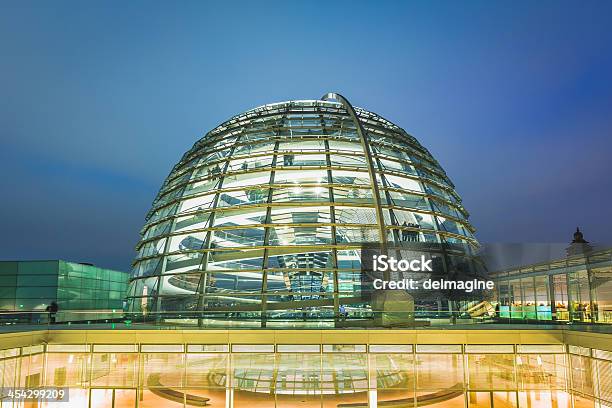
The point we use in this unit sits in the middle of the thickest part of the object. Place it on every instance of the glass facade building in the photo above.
(30, 286)
(577, 289)
(263, 223)
(265, 215)
(537, 368)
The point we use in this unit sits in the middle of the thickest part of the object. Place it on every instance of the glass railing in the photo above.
(310, 319)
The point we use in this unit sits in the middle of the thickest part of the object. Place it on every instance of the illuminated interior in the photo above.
(262, 219)
(525, 368)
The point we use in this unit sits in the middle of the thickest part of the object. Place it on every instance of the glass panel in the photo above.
(585, 401)
(307, 145)
(353, 195)
(543, 308)
(253, 373)
(556, 399)
(479, 400)
(451, 226)
(299, 176)
(234, 282)
(187, 242)
(148, 267)
(390, 348)
(298, 348)
(438, 348)
(307, 160)
(344, 348)
(541, 371)
(249, 162)
(252, 348)
(159, 397)
(405, 199)
(393, 371)
(299, 376)
(299, 283)
(207, 370)
(254, 148)
(581, 374)
(351, 161)
(448, 398)
(115, 348)
(249, 179)
(402, 167)
(446, 209)
(300, 235)
(157, 229)
(73, 348)
(152, 248)
(216, 348)
(401, 183)
(195, 221)
(236, 260)
(163, 369)
(114, 369)
(339, 146)
(439, 371)
(299, 193)
(344, 372)
(604, 378)
(124, 398)
(561, 297)
(31, 373)
(351, 177)
(240, 217)
(529, 299)
(489, 348)
(602, 304)
(357, 235)
(209, 397)
(491, 371)
(409, 219)
(243, 197)
(197, 203)
(540, 348)
(302, 215)
(67, 369)
(355, 215)
(238, 237)
(8, 373)
(101, 398)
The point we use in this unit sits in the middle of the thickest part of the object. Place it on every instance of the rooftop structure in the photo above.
(264, 217)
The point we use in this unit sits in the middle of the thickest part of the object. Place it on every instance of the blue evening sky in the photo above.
(100, 99)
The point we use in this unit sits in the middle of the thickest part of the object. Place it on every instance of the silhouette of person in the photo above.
(343, 312)
(404, 232)
(52, 309)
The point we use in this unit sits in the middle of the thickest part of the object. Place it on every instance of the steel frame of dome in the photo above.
(220, 213)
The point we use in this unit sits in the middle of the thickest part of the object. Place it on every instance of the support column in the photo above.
(372, 380)
(229, 381)
(551, 297)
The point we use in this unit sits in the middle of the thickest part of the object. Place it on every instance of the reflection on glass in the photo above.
(289, 187)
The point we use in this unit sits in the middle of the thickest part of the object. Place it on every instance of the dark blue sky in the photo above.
(99, 100)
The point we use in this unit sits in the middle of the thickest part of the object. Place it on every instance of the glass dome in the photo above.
(263, 218)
